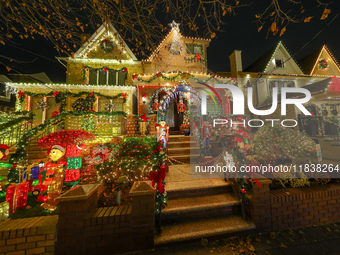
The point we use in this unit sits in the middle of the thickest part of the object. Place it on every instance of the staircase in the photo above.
(199, 208)
(181, 148)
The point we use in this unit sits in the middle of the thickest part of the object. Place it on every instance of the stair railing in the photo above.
(12, 131)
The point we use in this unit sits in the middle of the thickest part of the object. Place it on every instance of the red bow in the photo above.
(198, 56)
(159, 148)
(125, 69)
(21, 94)
(158, 74)
(91, 94)
(105, 69)
(106, 41)
(134, 76)
(158, 177)
(55, 93)
(124, 95)
(143, 95)
(143, 117)
(83, 67)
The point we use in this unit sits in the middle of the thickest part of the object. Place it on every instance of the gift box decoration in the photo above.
(74, 163)
(16, 196)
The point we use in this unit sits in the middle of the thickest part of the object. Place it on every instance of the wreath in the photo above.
(323, 64)
(334, 112)
(324, 112)
(106, 45)
(81, 105)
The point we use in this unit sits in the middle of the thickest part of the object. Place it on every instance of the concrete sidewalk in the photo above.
(314, 240)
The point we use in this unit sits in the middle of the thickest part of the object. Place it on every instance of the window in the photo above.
(98, 77)
(193, 48)
(4, 95)
(279, 63)
(279, 84)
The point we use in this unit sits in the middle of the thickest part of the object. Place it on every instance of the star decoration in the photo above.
(42, 105)
(174, 25)
(110, 107)
(229, 161)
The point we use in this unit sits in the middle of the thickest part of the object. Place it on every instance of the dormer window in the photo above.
(279, 63)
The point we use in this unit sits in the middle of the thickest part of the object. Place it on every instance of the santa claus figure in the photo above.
(155, 106)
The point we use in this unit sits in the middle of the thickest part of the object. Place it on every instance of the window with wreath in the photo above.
(279, 84)
(279, 63)
(98, 77)
(193, 48)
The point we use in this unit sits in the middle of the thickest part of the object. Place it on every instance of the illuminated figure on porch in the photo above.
(181, 109)
(155, 106)
(163, 133)
(206, 133)
(54, 177)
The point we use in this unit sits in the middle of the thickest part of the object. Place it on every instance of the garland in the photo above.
(195, 59)
(21, 147)
(104, 70)
(179, 75)
(60, 97)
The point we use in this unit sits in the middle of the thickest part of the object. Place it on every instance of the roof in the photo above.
(314, 88)
(97, 35)
(260, 64)
(307, 63)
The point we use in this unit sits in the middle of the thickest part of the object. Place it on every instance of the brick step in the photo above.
(183, 151)
(197, 188)
(180, 144)
(178, 138)
(174, 133)
(202, 207)
(197, 229)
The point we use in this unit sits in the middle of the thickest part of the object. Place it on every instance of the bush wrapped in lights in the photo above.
(279, 145)
(132, 159)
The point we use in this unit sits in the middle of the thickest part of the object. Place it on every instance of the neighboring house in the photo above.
(318, 72)
(7, 100)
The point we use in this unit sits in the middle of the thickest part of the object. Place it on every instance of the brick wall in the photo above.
(85, 229)
(28, 236)
(294, 207)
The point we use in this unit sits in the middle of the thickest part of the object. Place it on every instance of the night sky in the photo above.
(240, 32)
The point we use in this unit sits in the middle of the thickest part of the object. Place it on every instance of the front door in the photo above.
(172, 115)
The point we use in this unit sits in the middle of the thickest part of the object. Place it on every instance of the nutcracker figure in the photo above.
(163, 133)
(206, 133)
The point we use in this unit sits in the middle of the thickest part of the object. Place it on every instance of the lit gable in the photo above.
(281, 62)
(105, 43)
(326, 64)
